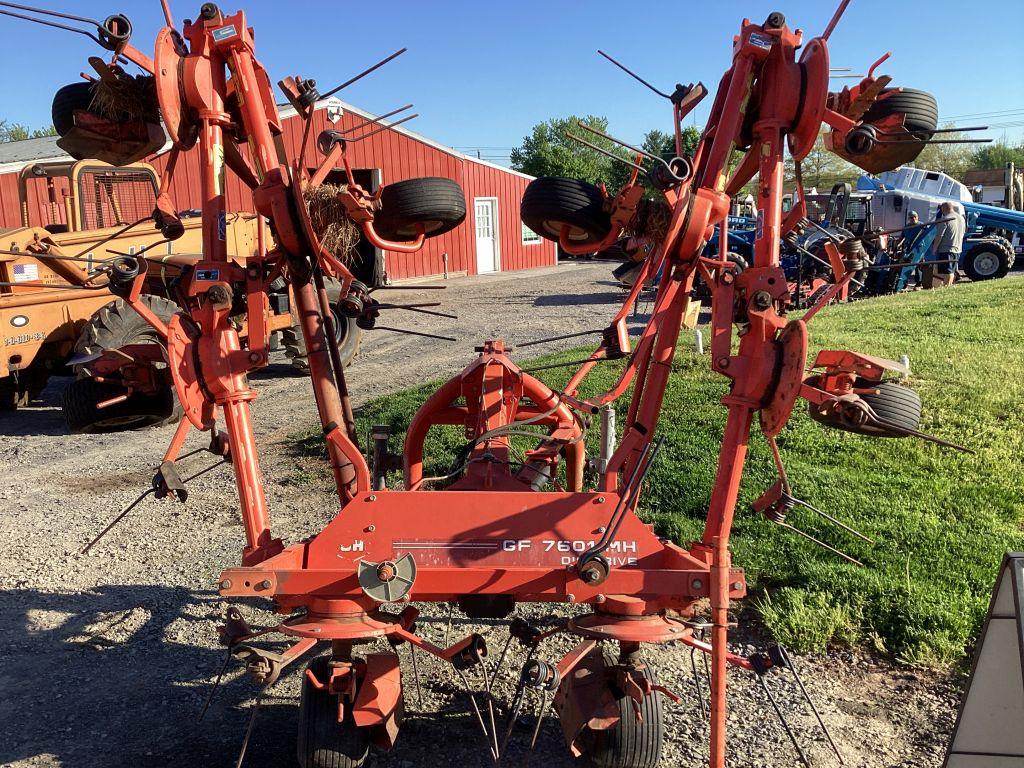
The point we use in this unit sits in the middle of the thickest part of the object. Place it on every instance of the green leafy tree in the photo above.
(548, 151)
(664, 144)
(20, 132)
(998, 154)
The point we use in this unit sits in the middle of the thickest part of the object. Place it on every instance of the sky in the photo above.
(482, 74)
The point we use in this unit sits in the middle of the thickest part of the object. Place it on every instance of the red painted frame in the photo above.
(491, 532)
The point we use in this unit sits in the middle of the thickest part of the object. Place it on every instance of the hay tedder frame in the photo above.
(492, 536)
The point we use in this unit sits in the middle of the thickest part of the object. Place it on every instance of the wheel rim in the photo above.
(124, 421)
(575, 233)
(986, 264)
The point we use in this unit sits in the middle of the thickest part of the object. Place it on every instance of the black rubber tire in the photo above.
(437, 203)
(323, 742)
(349, 335)
(550, 202)
(81, 414)
(66, 101)
(892, 402)
(628, 743)
(117, 324)
(921, 119)
(983, 255)
(112, 326)
(920, 108)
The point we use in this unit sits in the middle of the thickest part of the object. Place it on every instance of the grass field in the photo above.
(941, 519)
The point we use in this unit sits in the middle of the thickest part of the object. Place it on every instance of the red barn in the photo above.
(493, 237)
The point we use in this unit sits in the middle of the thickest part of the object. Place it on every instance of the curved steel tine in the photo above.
(810, 703)
(782, 719)
(832, 519)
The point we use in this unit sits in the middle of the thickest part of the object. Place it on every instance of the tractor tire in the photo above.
(550, 202)
(117, 325)
(323, 742)
(920, 108)
(113, 326)
(348, 335)
(892, 402)
(66, 101)
(988, 259)
(83, 416)
(438, 204)
(629, 743)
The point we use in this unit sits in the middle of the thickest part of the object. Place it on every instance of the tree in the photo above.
(548, 151)
(664, 144)
(952, 159)
(822, 169)
(20, 132)
(998, 154)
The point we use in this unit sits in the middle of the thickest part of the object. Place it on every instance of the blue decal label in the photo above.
(223, 33)
(208, 275)
(761, 41)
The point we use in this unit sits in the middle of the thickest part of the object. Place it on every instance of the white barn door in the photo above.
(485, 213)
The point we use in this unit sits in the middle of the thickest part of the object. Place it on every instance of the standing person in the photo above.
(948, 243)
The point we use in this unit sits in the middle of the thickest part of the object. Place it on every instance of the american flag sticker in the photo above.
(24, 273)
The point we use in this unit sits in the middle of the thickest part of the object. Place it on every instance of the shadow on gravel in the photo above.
(117, 676)
(576, 299)
(42, 417)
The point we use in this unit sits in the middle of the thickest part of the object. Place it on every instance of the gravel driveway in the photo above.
(105, 659)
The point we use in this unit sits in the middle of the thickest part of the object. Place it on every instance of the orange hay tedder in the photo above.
(490, 535)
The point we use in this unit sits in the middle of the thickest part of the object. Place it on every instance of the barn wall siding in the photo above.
(399, 156)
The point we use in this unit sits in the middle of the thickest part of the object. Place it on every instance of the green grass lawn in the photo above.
(941, 519)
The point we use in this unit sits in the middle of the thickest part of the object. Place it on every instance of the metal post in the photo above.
(607, 436)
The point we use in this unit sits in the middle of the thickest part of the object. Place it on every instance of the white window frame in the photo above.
(535, 240)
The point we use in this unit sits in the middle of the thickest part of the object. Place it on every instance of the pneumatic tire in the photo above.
(551, 202)
(68, 100)
(630, 743)
(114, 326)
(891, 402)
(323, 742)
(348, 335)
(437, 204)
(919, 107)
(82, 414)
(988, 260)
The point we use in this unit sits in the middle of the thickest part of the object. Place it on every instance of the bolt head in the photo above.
(697, 584)
(571, 598)
(225, 584)
(600, 500)
(737, 585)
(265, 584)
(371, 528)
(371, 497)
(722, 362)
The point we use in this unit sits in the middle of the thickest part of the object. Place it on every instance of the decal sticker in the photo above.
(224, 33)
(211, 275)
(761, 41)
(24, 273)
(521, 552)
